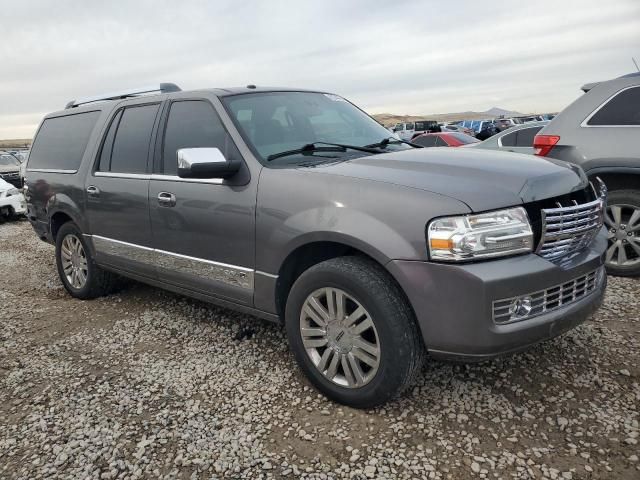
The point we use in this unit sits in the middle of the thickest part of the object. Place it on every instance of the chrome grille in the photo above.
(550, 299)
(568, 229)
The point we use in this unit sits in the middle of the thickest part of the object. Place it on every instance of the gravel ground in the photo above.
(147, 384)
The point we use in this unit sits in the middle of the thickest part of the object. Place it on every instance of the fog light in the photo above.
(520, 307)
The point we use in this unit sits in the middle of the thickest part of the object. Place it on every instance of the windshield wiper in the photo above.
(386, 141)
(314, 147)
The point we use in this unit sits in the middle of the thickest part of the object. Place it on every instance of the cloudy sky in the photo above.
(403, 57)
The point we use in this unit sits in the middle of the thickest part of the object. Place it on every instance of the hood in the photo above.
(483, 180)
(9, 168)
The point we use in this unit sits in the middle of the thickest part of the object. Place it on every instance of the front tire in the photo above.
(80, 275)
(623, 221)
(352, 332)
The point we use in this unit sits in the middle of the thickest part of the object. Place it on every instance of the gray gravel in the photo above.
(146, 384)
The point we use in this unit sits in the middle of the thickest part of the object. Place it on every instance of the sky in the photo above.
(401, 57)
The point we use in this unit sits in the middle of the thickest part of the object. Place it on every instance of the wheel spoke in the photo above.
(356, 315)
(362, 326)
(317, 311)
(622, 255)
(82, 277)
(348, 375)
(616, 211)
(314, 342)
(324, 360)
(333, 367)
(313, 332)
(340, 304)
(364, 357)
(331, 302)
(368, 347)
(355, 368)
(635, 244)
(634, 221)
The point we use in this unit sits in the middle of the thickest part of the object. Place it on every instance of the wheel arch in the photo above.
(310, 253)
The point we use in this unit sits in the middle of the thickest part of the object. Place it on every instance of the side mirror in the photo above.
(205, 163)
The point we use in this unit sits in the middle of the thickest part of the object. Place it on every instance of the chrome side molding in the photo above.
(234, 275)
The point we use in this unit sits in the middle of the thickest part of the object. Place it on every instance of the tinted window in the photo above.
(441, 142)
(525, 136)
(61, 141)
(132, 138)
(427, 141)
(509, 140)
(623, 109)
(107, 146)
(193, 123)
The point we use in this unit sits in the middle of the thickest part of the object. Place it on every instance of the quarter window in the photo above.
(126, 145)
(193, 124)
(61, 141)
(623, 109)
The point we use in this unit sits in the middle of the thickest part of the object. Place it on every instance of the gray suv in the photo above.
(297, 207)
(600, 132)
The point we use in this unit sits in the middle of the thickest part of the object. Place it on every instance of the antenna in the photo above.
(635, 63)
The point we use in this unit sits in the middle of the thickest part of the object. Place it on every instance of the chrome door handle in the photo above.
(93, 190)
(166, 199)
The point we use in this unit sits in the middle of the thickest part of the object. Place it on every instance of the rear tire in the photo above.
(80, 275)
(623, 221)
(363, 350)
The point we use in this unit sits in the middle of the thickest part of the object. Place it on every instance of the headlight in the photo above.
(485, 235)
(12, 191)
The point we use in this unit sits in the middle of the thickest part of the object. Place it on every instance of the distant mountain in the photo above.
(497, 111)
(391, 118)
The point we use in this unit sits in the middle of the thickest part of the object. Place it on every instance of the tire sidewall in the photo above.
(70, 228)
(393, 345)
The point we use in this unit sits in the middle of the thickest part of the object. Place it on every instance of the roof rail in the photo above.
(133, 92)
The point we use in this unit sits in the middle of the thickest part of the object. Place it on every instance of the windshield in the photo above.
(8, 160)
(274, 122)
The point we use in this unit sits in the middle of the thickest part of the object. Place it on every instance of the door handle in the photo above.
(166, 199)
(93, 190)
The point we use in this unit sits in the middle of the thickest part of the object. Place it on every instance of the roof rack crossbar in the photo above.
(133, 92)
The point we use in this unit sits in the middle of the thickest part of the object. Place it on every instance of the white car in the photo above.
(12, 201)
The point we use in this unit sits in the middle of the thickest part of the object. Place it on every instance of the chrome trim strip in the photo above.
(235, 275)
(130, 251)
(140, 176)
(175, 178)
(602, 105)
(51, 170)
(265, 274)
(199, 267)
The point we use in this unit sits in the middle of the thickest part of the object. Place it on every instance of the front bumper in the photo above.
(16, 203)
(454, 303)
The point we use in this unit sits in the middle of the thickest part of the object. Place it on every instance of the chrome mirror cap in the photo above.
(205, 163)
(188, 157)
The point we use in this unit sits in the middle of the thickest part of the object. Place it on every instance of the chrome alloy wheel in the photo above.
(340, 337)
(74, 261)
(623, 222)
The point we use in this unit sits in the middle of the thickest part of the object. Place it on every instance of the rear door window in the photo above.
(192, 124)
(623, 109)
(126, 147)
(61, 141)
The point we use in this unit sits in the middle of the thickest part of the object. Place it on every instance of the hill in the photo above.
(391, 118)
